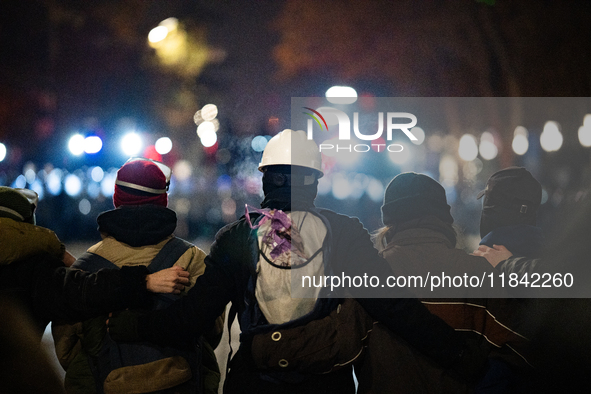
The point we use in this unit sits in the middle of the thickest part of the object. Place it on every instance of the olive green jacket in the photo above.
(20, 240)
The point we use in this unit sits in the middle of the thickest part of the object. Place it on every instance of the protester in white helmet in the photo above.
(250, 264)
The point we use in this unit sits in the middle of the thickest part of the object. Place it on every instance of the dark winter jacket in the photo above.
(132, 236)
(230, 265)
(20, 240)
(48, 290)
(32, 273)
(428, 245)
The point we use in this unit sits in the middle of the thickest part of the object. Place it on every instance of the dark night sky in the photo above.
(53, 76)
(100, 76)
(82, 69)
(107, 79)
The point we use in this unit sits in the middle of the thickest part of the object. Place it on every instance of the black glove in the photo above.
(471, 365)
(122, 326)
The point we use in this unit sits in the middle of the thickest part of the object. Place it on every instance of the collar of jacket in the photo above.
(424, 230)
(522, 240)
(290, 199)
(138, 225)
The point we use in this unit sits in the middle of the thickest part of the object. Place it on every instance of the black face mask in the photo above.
(283, 189)
(489, 221)
(493, 217)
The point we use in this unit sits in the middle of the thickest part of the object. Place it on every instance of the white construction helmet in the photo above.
(292, 148)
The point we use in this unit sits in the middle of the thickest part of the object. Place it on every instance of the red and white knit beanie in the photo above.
(140, 182)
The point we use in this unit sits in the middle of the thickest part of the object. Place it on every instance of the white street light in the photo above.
(551, 137)
(93, 144)
(76, 144)
(131, 144)
(520, 142)
(163, 145)
(341, 95)
(468, 149)
(488, 149)
(157, 34)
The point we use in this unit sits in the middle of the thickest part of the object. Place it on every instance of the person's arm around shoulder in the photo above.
(405, 316)
(196, 313)
(73, 294)
(493, 255)
(69, 259)
(171, 280)
(520, 266)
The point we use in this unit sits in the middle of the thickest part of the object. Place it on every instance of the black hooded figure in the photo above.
(509, 212)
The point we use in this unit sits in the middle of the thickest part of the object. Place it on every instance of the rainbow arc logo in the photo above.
(315, 118)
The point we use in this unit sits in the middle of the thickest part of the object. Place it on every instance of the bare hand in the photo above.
(68, 259)
(493, 255)
(171, 280)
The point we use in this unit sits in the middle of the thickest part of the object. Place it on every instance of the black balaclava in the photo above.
(289, 187)
(512, 197)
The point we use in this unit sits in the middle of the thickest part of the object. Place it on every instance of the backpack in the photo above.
(142, 367)
(252, 319)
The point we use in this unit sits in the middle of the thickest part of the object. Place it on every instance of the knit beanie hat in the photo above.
(15, 205)
(411, 196)
(512, 197)
(139, 182)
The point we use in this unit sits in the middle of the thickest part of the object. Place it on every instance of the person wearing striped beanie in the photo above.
(133, 234)
(141, 182)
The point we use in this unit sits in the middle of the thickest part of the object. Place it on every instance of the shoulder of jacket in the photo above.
(96, 247)
(122, 254)
(7, 224)
(233, 231)
(195, 254)
(232, 226)
(27, 239)
(193, 260)
(338, 217)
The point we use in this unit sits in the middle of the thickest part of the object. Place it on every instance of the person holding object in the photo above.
(243, 265)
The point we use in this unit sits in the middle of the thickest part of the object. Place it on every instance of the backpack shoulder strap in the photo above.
(92, 262)
(169, 254)
(230, 320)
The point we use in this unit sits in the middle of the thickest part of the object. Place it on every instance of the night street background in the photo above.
(88, 68)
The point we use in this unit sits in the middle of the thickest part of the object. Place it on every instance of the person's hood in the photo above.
(138, 225)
